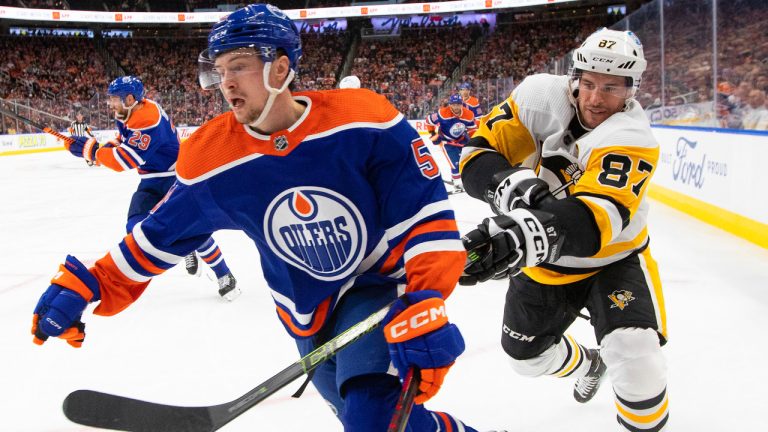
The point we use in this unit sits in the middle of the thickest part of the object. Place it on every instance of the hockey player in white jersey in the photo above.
(565, 162)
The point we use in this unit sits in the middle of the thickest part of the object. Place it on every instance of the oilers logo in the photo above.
(316, 230)
(457, 130)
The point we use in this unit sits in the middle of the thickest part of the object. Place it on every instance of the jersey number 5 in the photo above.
(429, 168)
(617, 169)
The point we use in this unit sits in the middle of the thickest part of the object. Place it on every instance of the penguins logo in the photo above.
(620, 298)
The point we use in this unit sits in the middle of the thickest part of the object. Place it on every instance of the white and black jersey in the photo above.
(77, 128)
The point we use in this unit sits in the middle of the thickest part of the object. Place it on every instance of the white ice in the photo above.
(181, 344)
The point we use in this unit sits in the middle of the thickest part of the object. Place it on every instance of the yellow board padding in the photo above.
(28, 151)
(741, 226)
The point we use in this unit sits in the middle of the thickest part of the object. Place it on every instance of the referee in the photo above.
(80, 128)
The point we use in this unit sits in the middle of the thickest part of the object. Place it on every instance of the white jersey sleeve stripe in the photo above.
(124, 267)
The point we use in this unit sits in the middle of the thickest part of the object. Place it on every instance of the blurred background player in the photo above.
(450, 128)
(590, 141)
(470, 102)
(350, 81)
(333, 248)
(79, 127)
(148, 143)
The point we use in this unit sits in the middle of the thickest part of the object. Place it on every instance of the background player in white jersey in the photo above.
(565, 162)
(343, 202)
(147, 142)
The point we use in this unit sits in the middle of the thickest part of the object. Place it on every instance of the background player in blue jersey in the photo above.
(450, 128)
(148, 143)
(343, 202)
(471, 102)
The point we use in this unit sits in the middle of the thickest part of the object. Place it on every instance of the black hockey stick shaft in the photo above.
(405, 401)
(108, 411)
(36, 125)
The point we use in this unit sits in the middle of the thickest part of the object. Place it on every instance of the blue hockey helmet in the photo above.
(263, 27)
(455, 99)
(465, 86)
(126, 85)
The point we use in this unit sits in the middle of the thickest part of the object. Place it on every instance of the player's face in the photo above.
(455, 109)
(464, 93)
(116, 105)
(600, 96)
(242, 83)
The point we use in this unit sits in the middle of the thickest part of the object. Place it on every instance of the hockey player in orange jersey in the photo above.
(147, 142)
(343, 202)
(470, 102)
(450, 128)
(565, 162)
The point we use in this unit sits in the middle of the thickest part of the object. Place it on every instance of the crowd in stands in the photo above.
(59, 69)
(412, 69)
(520, 49)
(322, 60)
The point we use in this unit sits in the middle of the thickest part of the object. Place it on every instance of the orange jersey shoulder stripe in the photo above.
(146, 117)
(472, 101)
(224, 140)
(466, 114)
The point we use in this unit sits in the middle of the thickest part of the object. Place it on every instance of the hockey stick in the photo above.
(405, 402)
(108, 411)
(37, 125)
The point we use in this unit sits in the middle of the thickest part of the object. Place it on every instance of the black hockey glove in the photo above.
(502, 245)
(516, 188)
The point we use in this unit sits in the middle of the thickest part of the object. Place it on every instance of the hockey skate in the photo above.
(192, 264)
(586, 387)
(228, 287)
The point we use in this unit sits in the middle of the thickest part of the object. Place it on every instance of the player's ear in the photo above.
(281, 66)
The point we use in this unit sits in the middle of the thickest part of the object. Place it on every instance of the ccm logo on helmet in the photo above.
(417, 320)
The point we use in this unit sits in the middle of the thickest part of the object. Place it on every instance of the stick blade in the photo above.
(103, 410)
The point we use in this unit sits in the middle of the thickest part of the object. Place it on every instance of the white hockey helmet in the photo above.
(349, 82)
(611, 52)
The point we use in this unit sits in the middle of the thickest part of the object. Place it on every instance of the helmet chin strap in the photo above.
(129, 108)
(273, 92)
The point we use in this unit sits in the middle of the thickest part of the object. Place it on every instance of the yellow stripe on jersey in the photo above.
(606, 215)
(621, 173)
(651, 271)
(505, 133)
(617, 248)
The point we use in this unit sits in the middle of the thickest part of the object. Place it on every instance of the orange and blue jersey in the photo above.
(452, 129)
(473, 104)
(146, 142)
(346, 198)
